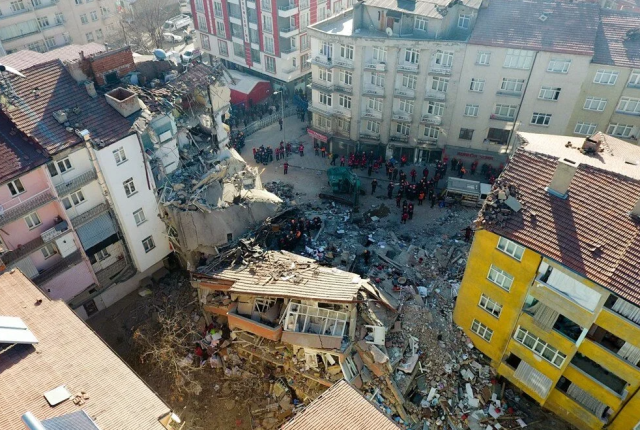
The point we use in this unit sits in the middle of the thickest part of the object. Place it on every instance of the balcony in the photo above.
(400, 138)
(55, 231)
(371, 90)
(287, 11)
(263, 327)
(624, 112)
(289, 31)
(24, 207)
(289, 69)
(408, 67)
(342, 112)
(498, 117)
(431, 119)
(369, 135)
(600, 374)
(61, 267)
(404, 92)
(506, 93)
(427, 141)
(89, 215)
(8, 39)
(378, 67)
(322, 60)
(235, 2)
(46, 5)
(22, 251)
(401, 116)
(76, 183)
(436, 69)
(106, 275)
(237, 20)
(320, 108)
(322, 86)
(16, 13)
(343, 63)
(342, 88)
(372, 114)
(288, 53)
(436, 95)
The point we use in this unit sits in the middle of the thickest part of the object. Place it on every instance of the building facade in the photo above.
(547, 295)
(266, 37)
(42, 25)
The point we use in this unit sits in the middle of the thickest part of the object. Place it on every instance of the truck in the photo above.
(176, 23)
(466, 192)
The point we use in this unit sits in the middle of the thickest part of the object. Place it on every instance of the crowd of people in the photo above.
(264, 155)
(297, 229)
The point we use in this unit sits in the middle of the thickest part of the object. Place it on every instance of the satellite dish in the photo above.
(11, 70)
(160, 54)
(389, 31)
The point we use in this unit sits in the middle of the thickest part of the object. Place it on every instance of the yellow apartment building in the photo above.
(551, 292)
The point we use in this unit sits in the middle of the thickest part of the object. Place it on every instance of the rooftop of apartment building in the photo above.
(618, 39)
(340, 407)
(24, 59)
(49, 106)
(63, 354)
(538, 25)
(579, 206)
(18, 154)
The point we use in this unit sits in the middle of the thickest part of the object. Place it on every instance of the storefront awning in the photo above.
(475, 154)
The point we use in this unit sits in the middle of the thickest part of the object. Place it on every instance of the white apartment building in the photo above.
(385, 76)
(42, 25)
(265, 37)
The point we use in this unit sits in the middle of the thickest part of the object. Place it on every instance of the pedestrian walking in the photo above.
(390, 190)
(333, 159)
(395, 173)
(323, 151)
(433, 200)
(390, 171)
(413, 174)
(404, 206)
(467, 233)
(425, 173)
(370, 169)
(462, 172)
(280, 122)
(410, 210)
(366, 255)
(342, 161)
(398, 199)
(420, 198)
(374, 185)
(301, 150)
(286, 169)
(404, 218)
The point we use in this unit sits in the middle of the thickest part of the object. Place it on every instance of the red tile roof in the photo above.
(569, 27)
(33, 111)
(68, 353)
(18, 155)
(589, 232)
(340, 407)
(613, 46)
(24, 59)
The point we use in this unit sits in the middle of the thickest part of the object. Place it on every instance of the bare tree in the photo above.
(142, 22)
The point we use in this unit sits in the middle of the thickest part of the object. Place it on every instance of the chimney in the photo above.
(565, 171)
(91, 89)
(592, 144)
(124, 101)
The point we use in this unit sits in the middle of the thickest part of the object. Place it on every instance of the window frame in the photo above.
(50, 251)
(481, 330)
(469, 108)
(30, 216)
(374, 104)
(139, 220)
(464, 21)
(66, 163)
(344, 101)
(483, 55)
(403, 129)
(499, 277)
(148, 244)
(467, 134)
(512, 85)
(431, 132)
(477, 85)
(129, 187)
(17, 185)
(77, 195)
(490, 303)
(440, 84)
(510, 109)
(435, 108)
(539, 346)
(554, 91)
(611, 75)
(507, 243)
(600, 103)
(373, 126)
(409, 81)
(420, 23)
(541, 118)
(591, 126)
(626, 101)
(564, 64)
(520, 59)
(406, 106)
(613, 126)
(120, 156)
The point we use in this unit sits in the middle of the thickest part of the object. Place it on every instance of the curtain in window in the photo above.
(589, 402)
(533, 379)
(543, 316)
(630, 353)
(627, 309)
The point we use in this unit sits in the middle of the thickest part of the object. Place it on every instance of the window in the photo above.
(326, 49)
(120, 155)
(379, 54)
(411, 55)
(236, 31)
(89, 36)
(344, 101)
(518, 59)
(59, 18)
(304, 60)
(238, 49)
(325, 74)
(403, 129)
(43, 22)
(585, 128)
(269, 46)
(377, 79)
(471, 110)
(304, 42)
(558, 66)
(466, 134)
(540, 347)
(83, 18)
(481, 330)
(512, 85)
(549, 93)
(32, 220)
(420, 23)
(504, 111)
(406, 106)
(50, 42)
(102, 255)
(204, 41)
(490, 306)
(99, 34)
(322, 122)
(619, 130)
(305, 20)
(15, 187)
(444, 58)
(482, 58)
(464, 21)
(202, 23)
(270, 64)
(78, 1)
(343, 125)
(540, 118)
(17, 6)
(595, 103)
(64, 165)
(48, 250)
(605, 77)
(265, 5)
(73, 199)
(129, 187)
(440, 84)
(409, 81)
(435, 108)
(375, 104)
(511, 248)
(304, 4)
(325, 99)
(629, 105)
(36, 3)
(500, 278)
(94, 15)
(217, 8)
(222, 47)
(221, 30)
(139, 217)
(267, 23)
(477, 85)
(346, 51)
(373, 127)
(148, 244)
(346, 77)
(431, 132)
(634, 79)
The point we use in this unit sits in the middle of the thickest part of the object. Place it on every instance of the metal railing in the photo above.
(76, 183)
(89, 215)
(62, 266)
(267, 121)
(287, 7)
(25, 207)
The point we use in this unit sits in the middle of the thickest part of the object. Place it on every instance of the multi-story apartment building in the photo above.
(550, 293)
(41, 25)
(388, 75)
(87, 219)
(266, 37)
(609, 99)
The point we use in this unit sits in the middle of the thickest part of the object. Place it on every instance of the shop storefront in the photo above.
(320, 138)
(469, 155)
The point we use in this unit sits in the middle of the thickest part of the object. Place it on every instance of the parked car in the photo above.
(170, 37)
(187, 56)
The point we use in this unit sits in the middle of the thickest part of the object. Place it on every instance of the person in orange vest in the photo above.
(420, 198)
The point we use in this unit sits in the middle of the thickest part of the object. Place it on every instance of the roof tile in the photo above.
(613, 46)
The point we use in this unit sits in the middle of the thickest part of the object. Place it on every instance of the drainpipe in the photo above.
(524, 93)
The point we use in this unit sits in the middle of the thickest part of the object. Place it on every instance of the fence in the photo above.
(267, 121)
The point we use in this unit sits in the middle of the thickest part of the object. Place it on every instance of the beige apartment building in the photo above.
(42, 25)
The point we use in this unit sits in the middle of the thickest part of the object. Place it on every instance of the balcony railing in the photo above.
(373, 91)
(404, 92)
(401, 116)
(61, 267)
(435, 95)
(431, 119)
(343, 88)
(289, 69)
(22, 251)
(104, 276)
(25, 207)
(16, 13)
(440, 70)
(55, 231)
(400, 138)
(322, 60)
(89, 215)
(289, 31)
(76, 183)
(369, 135)
(372, 114)
(343, 62)
(509, 93)
(46, 5)
(501, 117)
(8, 39)
(322, 86)
(408, 67)
(380, 67)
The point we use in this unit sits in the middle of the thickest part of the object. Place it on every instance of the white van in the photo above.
(176, 23)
